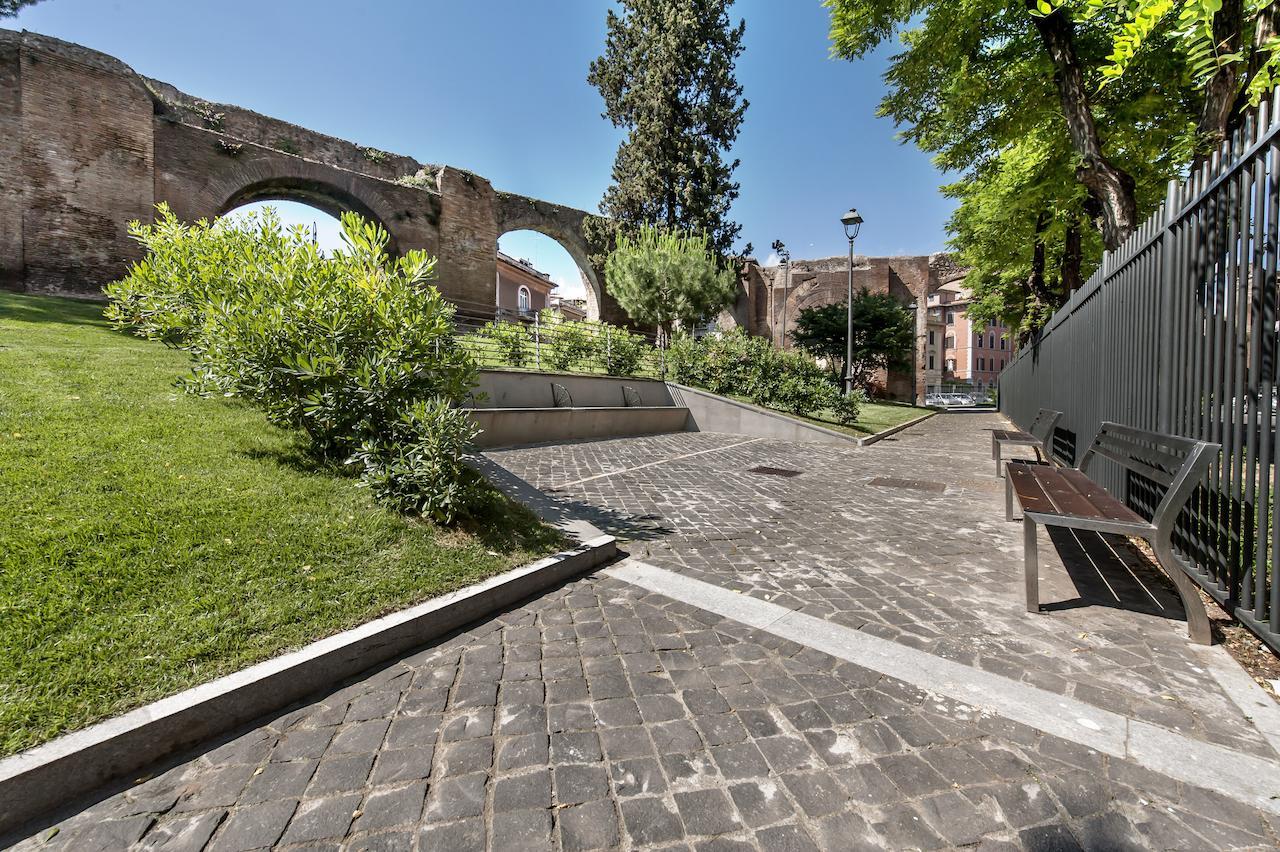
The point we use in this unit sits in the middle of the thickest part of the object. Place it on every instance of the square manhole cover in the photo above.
(765, 470)
(910, 484)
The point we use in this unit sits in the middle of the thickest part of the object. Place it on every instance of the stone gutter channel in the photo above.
(55, 774)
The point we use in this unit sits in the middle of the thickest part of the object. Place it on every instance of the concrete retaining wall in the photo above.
(504, 427)
(711, 413)
(515, 389)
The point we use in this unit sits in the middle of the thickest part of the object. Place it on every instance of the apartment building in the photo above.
(963, 354)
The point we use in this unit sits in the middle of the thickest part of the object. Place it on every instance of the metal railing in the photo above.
(548, 341)
(1177, 332)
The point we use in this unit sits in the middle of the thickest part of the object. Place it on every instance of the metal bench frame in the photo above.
(1038, 436)
(1172, 461)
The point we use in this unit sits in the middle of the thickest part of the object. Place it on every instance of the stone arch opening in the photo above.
(324, 227)
(326, 198)
(566, 266)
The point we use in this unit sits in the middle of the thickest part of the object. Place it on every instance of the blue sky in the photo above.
(499, 87)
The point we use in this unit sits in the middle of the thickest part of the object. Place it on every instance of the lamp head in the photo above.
(852, 223)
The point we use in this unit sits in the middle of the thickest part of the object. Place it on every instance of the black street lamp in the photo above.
(852, 224)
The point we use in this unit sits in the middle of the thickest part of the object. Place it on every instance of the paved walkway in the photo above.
(835, 659)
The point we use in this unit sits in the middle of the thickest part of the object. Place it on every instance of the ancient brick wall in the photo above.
(12, 184)
(86, 145)
(825, 281)
(86, 164)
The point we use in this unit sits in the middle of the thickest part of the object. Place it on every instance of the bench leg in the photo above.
(998, 452)
(1032, 567)
(1198, 629)
(1008, 499)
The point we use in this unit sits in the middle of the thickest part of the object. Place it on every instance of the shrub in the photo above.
(802, 386)
(564, 343)
(620, 350)
(847, 408)
(417, 466)
(350, 349)
(188, 268)
(736, 364)
(509, 342)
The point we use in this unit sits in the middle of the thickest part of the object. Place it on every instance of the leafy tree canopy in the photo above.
(665, 278)
(667, 76)
(9, 8)
(883, 334)
(976, 85)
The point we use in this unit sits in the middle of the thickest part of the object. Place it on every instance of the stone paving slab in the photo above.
(603, 716)
(864, 538)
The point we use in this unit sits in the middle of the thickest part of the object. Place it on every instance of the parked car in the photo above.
(959, 400)
(936, 400)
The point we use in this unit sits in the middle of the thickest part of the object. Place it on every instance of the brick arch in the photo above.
(564, 225)
(322, 196)
(264, 175)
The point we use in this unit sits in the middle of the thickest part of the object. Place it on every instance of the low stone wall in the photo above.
(516, 389)
(711, 413)
(504, 427)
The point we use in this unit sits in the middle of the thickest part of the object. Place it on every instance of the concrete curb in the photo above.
(37, 781)
(893, 430)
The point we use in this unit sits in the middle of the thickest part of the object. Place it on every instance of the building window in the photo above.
(523, 300)
(991, 342)
(950, 363)
(951, 317)
(1003, 342)
(930, 360)
(978, 341)
(949, 342)
(981, 364)
(930, 337)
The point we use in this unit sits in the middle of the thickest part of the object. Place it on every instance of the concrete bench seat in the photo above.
(505, 427)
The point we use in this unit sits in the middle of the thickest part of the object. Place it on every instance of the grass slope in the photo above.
(151, 541)
(873, 417)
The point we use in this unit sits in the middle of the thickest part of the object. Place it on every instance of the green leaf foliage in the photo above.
(347, 348)
(973, 85)
(883, 334)
(665, 278)
(667, 77)
(734, 363)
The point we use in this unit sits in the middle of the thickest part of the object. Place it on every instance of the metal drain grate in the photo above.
(910, 484)
(765, 470)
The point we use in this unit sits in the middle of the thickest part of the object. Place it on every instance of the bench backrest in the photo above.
(1173, 462)
(1042, 429)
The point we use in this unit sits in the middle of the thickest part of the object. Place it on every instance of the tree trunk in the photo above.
(1223, 104)
(1035, 280)
(1072, 261)
(1113, 187)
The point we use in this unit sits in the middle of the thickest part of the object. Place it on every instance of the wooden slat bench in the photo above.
(1039, 436)
(1066, 497)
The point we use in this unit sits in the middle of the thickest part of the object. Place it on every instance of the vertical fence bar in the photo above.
(1178, 331)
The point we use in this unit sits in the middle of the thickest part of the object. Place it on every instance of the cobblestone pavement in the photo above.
(905, 539)
(602, 715)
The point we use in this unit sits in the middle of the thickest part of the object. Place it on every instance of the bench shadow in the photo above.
(1108, 571)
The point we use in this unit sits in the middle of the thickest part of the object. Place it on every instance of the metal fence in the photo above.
(550, 341)
(1177, 332)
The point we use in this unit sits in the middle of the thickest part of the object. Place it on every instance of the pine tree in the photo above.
(667, 76)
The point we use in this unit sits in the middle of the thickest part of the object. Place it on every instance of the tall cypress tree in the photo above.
(667, 76)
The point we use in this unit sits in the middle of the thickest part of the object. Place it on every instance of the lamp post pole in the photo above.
(852, 224)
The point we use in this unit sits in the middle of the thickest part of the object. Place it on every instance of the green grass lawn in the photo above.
(151, 541)
(873, 417)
